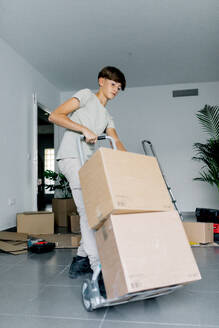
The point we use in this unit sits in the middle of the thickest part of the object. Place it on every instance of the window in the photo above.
(49, 164)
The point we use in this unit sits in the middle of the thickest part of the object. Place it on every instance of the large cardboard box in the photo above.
(199, 232)
(144, 251)
(35, 222)
(115, 182)
(62, 208)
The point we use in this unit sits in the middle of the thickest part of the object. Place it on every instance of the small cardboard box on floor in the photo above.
(144, 251)
(74, 223)
(116, 182)
(62, 208)
(199, 232)
(35, 222)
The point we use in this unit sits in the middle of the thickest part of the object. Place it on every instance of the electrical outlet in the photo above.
(11, 201)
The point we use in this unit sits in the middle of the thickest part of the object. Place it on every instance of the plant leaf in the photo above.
(209, 119)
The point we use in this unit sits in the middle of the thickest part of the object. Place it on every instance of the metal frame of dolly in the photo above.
(90, 292)
(144, 142)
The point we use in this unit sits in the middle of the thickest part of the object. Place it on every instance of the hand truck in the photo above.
(144, 142)
(90, 291)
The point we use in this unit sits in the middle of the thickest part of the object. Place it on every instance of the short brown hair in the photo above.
(114, 74)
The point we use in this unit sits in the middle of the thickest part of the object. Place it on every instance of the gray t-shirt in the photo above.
(91, 114)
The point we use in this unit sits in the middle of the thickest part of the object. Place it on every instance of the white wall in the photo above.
(172, 127)
(18, 81)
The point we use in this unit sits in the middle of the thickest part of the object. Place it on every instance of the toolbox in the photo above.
(207, 215)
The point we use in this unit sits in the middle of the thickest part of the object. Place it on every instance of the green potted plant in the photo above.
(208, 153)
(62, 203)
(59, 185)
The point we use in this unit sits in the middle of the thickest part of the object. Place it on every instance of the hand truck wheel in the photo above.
(86, 295)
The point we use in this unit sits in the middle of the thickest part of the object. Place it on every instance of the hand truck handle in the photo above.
(144, 142)
(101, 137)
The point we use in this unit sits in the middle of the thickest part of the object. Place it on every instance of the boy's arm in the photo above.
(60, 117)
(111, 132)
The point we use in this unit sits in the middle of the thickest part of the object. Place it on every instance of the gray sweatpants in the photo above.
(70, 167)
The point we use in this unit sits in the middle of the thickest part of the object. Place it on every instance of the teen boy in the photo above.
(88, 116)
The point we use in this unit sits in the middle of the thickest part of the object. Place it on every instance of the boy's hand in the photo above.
(90, 137)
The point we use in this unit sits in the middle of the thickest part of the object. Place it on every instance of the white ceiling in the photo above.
(153, 42)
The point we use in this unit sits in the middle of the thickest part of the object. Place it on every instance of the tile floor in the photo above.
(35, 291)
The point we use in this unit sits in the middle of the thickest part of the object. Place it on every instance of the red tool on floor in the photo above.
(35, 245)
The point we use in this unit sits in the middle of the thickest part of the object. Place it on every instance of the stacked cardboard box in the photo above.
(144, 251)
(116, 182)
(140, 237)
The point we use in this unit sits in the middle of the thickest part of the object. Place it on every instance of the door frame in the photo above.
(36, 105)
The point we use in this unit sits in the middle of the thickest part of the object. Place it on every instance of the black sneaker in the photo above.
(79, 266)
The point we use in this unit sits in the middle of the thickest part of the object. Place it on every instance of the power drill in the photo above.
(36, 245)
